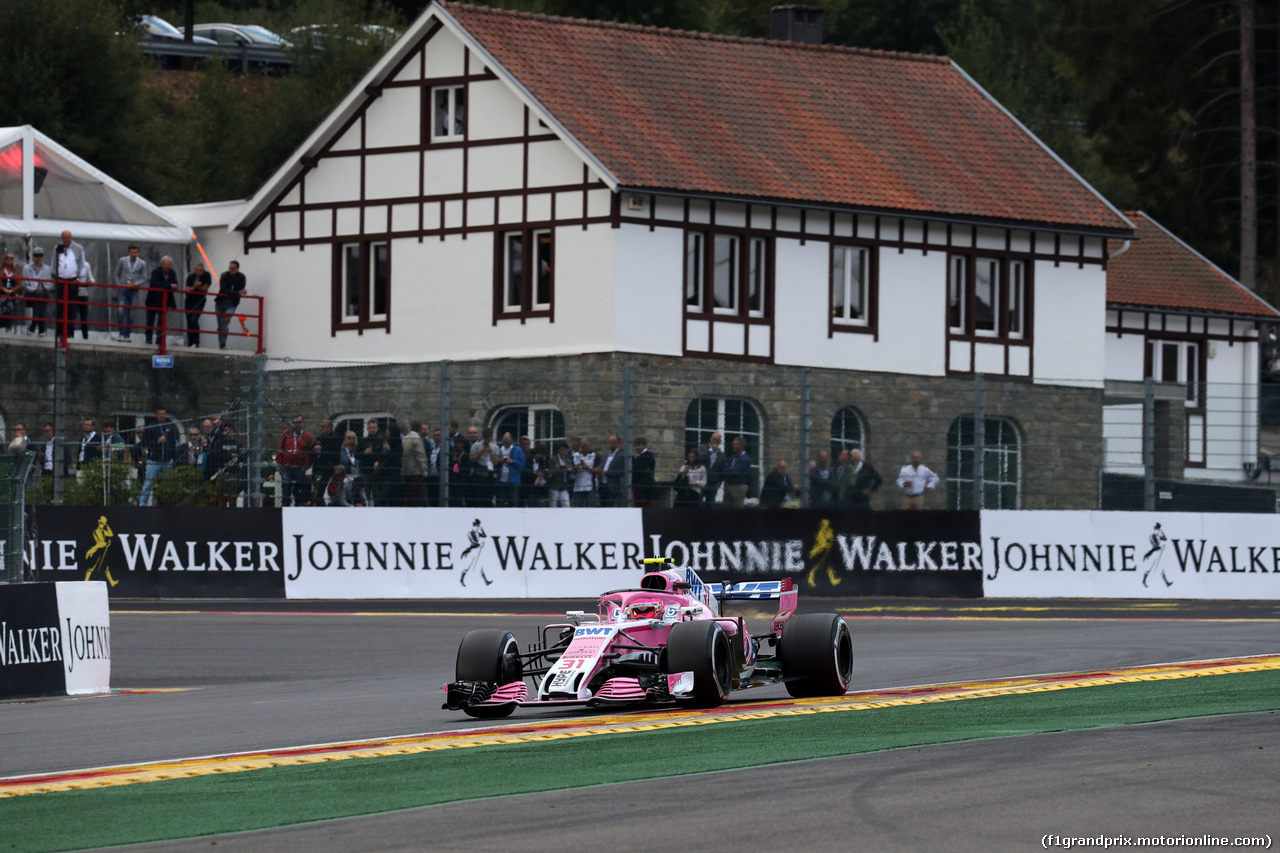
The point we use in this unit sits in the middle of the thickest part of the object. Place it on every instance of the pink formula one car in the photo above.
(664, 642)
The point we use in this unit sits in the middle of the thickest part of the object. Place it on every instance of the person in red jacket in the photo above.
(294, 456)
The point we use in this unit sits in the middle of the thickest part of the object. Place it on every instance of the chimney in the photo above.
(796, 23)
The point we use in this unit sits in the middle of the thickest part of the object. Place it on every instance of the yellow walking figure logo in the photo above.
(103, 536)
(821, 552)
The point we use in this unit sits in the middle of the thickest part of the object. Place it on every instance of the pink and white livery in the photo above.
(664, 642)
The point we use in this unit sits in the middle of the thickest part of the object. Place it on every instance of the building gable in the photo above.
(381, 167)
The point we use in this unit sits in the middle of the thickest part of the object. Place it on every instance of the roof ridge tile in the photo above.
(697, 34)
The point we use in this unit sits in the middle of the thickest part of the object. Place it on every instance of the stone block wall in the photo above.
(1059, 428)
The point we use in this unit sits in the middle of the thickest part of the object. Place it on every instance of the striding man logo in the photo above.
(1153, 555)
(821, 554)
(103, 536)
(475, 547)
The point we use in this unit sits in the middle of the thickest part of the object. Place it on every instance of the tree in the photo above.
(82, 87)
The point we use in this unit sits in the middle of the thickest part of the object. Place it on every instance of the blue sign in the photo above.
(162, 361)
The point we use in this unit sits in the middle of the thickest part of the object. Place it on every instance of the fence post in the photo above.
(444, 458)
(979, 439)
(628, 427)
(256, 415)
(165, 296)
(802, 464)
(1149, 445)
(59, 418)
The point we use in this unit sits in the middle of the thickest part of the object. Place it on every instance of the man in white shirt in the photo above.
(586, 466)
(716, 463)
(71, 270)
(47, 450)
(914, 479)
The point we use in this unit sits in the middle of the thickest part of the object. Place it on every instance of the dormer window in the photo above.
(449, 113)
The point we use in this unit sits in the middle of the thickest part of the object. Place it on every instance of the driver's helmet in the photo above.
(647, 609)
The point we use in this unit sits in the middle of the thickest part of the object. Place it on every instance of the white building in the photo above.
(1175, 317)
(505, 185)
(623, 189)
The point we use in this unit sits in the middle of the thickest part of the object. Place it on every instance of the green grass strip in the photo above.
(207, 805)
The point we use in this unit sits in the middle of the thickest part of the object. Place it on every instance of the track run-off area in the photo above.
(971, 725)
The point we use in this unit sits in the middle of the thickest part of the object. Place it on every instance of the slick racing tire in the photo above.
(703, 649)
(817, 648)
(491, 656)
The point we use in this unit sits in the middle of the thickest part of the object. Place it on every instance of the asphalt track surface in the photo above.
(250, 676)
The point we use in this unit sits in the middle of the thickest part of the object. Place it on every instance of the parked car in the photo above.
(237, 34)
(316, 35)
(161, 29)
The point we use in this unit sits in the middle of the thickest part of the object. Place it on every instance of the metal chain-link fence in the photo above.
(992, 443)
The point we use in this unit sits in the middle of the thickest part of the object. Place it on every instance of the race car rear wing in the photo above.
(750, 590)
(783, 591)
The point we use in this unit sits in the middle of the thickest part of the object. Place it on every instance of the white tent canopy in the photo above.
(45, 189)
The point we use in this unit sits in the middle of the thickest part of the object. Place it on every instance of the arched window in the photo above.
(543, 424)
(1001, 465)
(847, 432)
(731, 418)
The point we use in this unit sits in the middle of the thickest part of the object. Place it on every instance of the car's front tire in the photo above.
(703, 649)
(491, 656)
(817, 649)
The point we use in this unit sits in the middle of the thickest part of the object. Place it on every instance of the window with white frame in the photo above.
(449, 113)
(1016, 303)
(987, 297)
(850, 285)
(731, 417)
(524, 281)
(727, 274)
(543, 424)
(957, 294)
(847, 432)
(362, 284)
(1001, 464)
(757, 266)
(694, 246)
(1177, 361)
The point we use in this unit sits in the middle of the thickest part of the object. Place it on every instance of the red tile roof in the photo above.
(694, 112)
(1161, 271)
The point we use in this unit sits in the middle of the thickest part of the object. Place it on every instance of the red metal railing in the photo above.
(56, 299)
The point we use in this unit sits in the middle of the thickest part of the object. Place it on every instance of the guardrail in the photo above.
(53, 305)
(243, 57)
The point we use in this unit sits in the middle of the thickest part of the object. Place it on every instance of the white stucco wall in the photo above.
(1070, 311)
(912, 300)
(648, 289)
(441, 302)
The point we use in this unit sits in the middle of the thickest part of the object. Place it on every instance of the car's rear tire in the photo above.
(703, 649)
(491, 656)
(817, 648)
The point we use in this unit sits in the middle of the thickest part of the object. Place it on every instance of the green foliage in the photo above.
(183, 485)
(41, 492)
(1141, 98)
(221, 134)
(98, 484)
(67, 73)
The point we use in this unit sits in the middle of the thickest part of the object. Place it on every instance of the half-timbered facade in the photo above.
(505, 185)
(513, 186)
(1175, 317)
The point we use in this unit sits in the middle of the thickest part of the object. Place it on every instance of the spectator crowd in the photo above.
(39, 295)
(391, 464)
